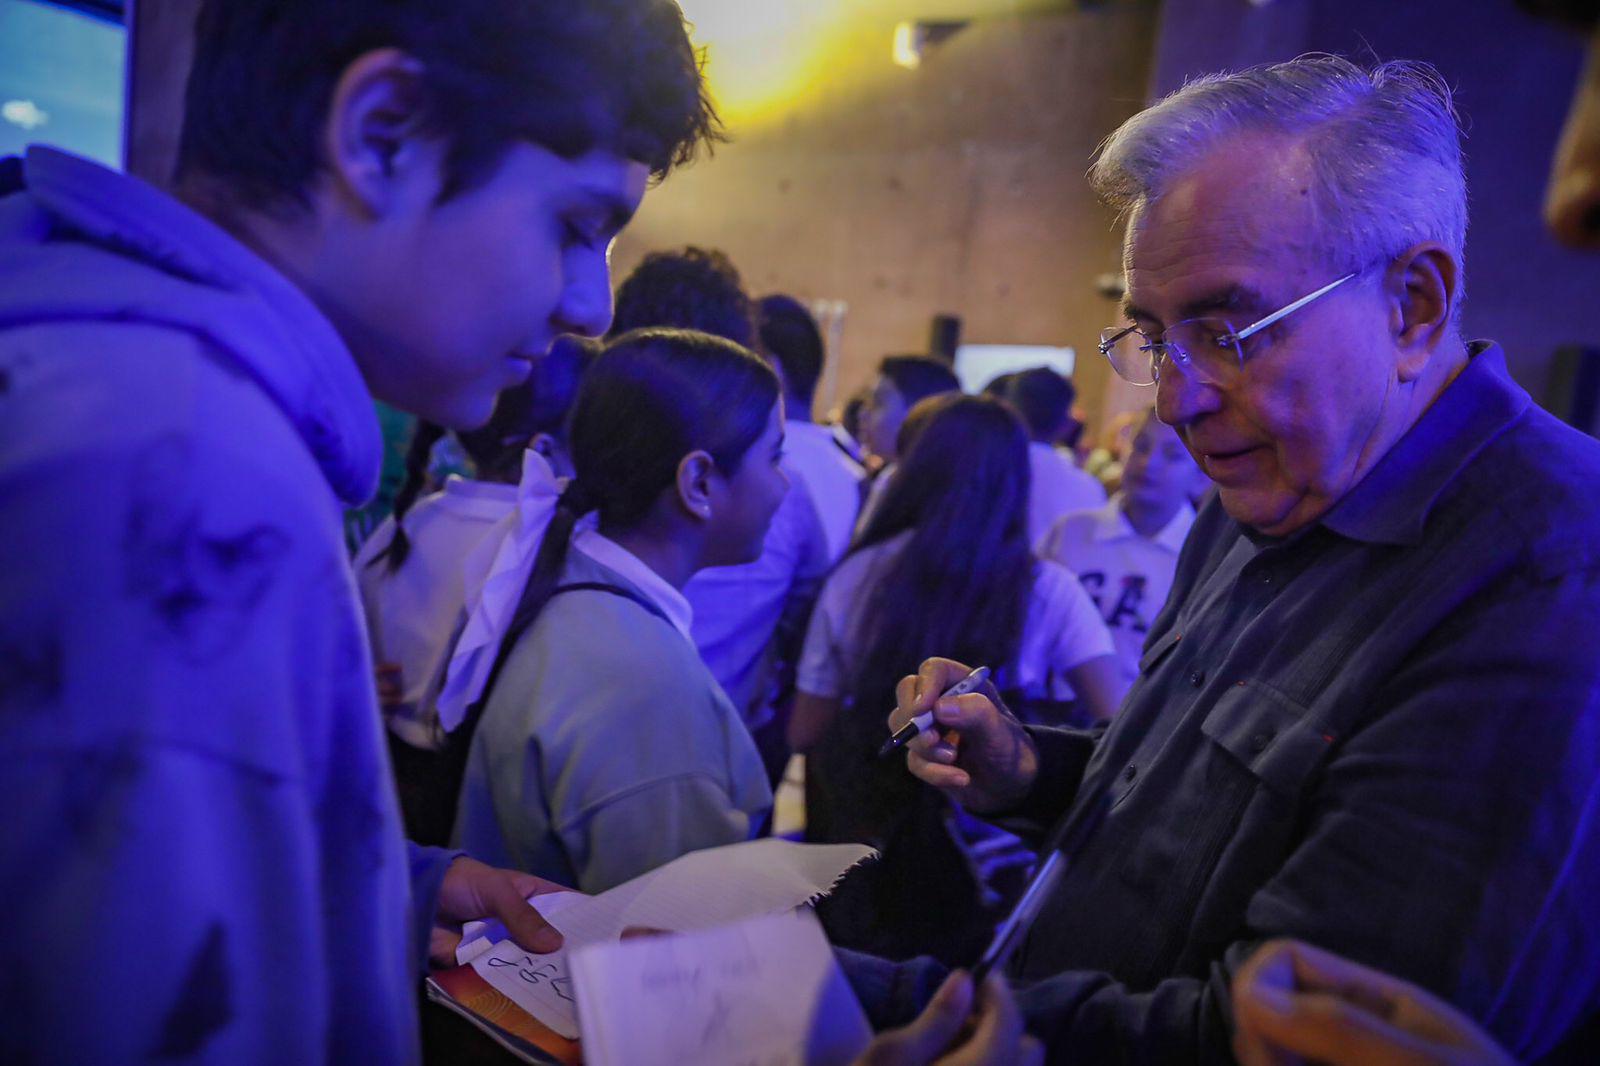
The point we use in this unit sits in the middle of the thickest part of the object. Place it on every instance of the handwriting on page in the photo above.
(763, 992)
(539, 984)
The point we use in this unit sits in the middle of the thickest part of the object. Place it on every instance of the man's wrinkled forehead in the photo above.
(1226, 235)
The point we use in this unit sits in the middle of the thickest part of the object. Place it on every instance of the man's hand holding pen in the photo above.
(979, 753)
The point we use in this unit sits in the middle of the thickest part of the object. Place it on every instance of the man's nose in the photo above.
(1181, 397)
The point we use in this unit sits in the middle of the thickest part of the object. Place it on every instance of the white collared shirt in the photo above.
(414, 612)
(1056, 488)
(740, 611)
(1128, 576)
(829, 476)
(1061, 629)
(609, 553)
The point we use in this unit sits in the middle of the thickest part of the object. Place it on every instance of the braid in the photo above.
(548, 563)
(551, 559)
(423, 438)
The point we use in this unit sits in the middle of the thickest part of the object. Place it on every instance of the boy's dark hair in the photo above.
(696, 288)
(572, 77)
(1044, 400)
(916, 377)
(790, 335)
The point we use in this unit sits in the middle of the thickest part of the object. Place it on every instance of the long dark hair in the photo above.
(959, 587)
(651, 397)
(538, 405)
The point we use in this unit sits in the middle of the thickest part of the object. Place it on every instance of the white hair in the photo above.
(1385, 146)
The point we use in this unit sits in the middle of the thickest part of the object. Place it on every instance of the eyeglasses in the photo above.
(1208, 349)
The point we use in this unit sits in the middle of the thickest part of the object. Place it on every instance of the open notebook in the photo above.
(765, 990)
(532, 998)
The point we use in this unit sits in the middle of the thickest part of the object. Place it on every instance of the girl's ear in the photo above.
(695, 472)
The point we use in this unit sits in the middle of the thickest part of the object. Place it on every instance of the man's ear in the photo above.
(695, 472)
(1423, 284)
(373, 146)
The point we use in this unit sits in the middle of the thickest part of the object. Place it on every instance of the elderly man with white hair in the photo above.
(1369, 715)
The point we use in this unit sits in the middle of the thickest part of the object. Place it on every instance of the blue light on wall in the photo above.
(61, 80)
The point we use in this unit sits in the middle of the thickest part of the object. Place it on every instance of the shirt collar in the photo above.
(481, 499)
(1111, 524)
(1109, 521)
(610, 554)
(1391, 504)
(1176, 531)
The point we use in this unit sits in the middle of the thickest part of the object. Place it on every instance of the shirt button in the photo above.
(1130, 773)
(1259, 742)
(1197, 678)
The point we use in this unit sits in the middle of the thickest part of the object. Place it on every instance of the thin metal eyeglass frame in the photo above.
(1227, 339)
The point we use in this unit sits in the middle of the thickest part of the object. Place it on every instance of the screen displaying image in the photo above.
(979, 364)
(61, 80)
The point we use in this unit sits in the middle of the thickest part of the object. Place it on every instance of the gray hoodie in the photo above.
(200, 854)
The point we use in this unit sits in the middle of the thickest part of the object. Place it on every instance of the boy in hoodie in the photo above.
(201, 856)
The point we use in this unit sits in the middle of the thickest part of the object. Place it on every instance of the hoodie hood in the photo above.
(83, 243)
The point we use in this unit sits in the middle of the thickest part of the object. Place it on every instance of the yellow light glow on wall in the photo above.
(765, 56)
(907, 50)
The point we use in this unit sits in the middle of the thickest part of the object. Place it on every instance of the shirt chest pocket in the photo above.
(1157, 649)
(1268, 734)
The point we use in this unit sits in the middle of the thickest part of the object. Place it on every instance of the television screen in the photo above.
(979, 364)
(61, 80)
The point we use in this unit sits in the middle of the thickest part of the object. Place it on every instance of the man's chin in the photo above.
(1275, 514)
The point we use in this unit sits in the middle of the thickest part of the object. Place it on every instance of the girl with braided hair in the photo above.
(600, 745)
(410, 570)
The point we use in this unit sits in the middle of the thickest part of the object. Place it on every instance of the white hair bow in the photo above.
(494, 575)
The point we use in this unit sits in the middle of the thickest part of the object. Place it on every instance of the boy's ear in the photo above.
(373, 143)
(695, 471)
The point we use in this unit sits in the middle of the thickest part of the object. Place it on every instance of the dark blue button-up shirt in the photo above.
(1380, 735)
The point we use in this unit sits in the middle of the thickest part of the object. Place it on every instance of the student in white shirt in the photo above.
(903, 382)
(748, 619)
(410, 570)
(1044, 400)
(1126, 551)
(945, 562)
(603, 747)
(829, 475)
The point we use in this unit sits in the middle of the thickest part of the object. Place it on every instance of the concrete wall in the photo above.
(956, 187)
